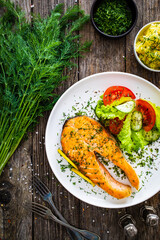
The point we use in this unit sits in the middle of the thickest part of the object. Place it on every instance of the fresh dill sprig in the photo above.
(32, 60)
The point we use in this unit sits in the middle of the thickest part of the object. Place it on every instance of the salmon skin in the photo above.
(81, 137)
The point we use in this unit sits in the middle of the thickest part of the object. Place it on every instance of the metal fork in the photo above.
(47, 196)
(45, 212)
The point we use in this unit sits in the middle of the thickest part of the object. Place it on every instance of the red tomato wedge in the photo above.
(148, 114)
(116, 92)
(115, 125)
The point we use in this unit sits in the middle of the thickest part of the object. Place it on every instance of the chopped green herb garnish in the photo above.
(64, 167)
(113, 17)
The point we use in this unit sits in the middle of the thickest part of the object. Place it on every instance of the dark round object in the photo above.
(5, 197)
(5, 185)
(131, 5)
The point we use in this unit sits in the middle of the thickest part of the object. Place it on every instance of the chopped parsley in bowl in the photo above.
(114, 18)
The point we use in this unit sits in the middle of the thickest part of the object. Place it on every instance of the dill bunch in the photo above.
(32, 60)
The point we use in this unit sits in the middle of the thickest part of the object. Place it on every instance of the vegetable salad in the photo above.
(134, 122)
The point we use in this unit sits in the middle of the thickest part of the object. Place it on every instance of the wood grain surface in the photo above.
(30, 158)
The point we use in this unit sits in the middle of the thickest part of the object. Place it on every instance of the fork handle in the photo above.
(85, 233)
(74, 235)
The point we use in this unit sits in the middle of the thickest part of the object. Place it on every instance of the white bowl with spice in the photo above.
(147, 46)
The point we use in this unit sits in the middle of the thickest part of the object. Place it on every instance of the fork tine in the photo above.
(36, 211)
(39, 206)
(40, 210)
(46, 213)
(39, 190)
(36, 208)
(42, 184)
(40, 187)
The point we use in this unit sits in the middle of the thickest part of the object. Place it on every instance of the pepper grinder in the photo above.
(149, 216)
(128, 224)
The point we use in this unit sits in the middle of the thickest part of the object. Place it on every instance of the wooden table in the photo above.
(30, 158)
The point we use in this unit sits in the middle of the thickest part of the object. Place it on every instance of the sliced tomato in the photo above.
(115, 125)
(148, 114)
(116, 92)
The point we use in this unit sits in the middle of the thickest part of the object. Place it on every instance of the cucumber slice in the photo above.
(151, 135)
(155, 135)
(147, 135)
(136, 121)
(126, 107)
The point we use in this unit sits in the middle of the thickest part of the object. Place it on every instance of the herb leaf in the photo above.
(32, 60)
(113, 17)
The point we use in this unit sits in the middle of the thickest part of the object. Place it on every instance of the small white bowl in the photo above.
(136, 38)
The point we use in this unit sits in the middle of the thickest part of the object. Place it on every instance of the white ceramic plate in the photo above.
(82, 97)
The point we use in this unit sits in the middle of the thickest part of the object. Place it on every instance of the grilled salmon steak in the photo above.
(81, 137)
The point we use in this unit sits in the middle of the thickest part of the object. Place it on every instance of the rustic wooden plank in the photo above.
(16, 224)
(144, 231)
(25, 6)
(106, 55)
(65, 202)
(1, 223)
(148, 11)
(151, 10)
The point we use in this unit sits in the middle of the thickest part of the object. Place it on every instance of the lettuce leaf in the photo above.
(108, 111)
(138, 139)
(125, 136)
(129, 140)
